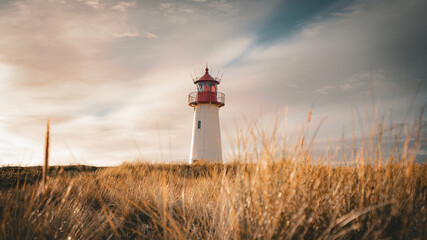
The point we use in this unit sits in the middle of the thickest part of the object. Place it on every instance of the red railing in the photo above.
(206, 97)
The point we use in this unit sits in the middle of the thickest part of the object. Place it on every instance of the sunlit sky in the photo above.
(113, 76)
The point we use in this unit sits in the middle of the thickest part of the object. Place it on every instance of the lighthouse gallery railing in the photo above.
(206, 97)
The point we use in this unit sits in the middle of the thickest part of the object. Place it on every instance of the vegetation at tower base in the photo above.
(281, 196)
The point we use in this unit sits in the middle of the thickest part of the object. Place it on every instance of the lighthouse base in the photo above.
(206, 140)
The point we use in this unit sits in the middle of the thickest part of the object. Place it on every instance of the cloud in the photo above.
(165, 5)
(55, 63)
(130, 33)
(223, 5)
(123, 6)
(324, 89)
(94, 72)
(346, 86)
(353, 57)
(311, 32)
(150, 35)
(108, 77)
(92, 3)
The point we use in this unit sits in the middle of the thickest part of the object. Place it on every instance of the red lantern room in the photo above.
(207, 91)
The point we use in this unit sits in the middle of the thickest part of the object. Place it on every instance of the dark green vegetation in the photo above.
(281, 200)
(20, 176)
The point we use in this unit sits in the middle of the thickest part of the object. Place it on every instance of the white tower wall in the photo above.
(206, 140)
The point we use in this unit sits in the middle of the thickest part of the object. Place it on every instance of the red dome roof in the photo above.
(207, 77)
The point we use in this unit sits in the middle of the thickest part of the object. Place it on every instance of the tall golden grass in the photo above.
(46, 156)
(271, 190)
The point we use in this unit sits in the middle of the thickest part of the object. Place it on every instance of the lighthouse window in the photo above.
(201, 87)
(206, 87)
(199, 124)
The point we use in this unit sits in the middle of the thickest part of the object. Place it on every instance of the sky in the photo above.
(113, 76)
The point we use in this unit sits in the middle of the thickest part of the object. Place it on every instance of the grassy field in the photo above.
(284, 200)
(272, 191)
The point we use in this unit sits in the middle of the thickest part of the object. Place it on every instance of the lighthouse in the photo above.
(206, 102)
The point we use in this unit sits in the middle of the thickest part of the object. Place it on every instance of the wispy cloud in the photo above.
(110, 72)
(324, 89)
(223, 5)
(123, 6)
(346, 86)
(150, 35)
(92, 3)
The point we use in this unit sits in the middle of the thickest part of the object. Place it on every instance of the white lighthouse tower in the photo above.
(206, 101)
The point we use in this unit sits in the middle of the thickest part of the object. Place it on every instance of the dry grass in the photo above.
(281, 196)
(239, 201)
(46, 156)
